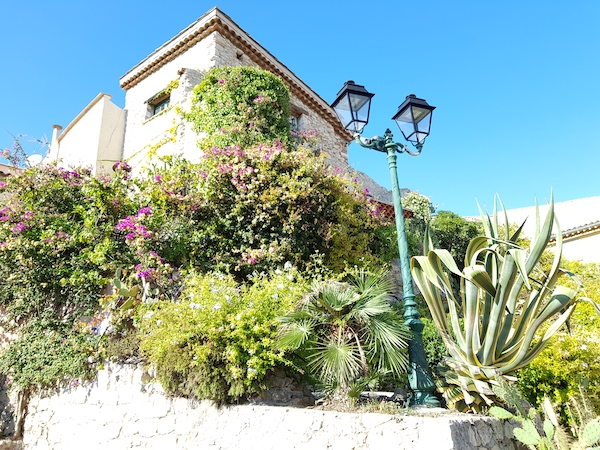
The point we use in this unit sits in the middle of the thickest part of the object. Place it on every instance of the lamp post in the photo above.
(352, 105)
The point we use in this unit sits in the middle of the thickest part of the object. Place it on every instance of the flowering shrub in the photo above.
(57, 241)
(58, 247)
(219, 341)
(253, 209)
(240, 106)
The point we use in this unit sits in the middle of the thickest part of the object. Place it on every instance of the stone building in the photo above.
(163, 81)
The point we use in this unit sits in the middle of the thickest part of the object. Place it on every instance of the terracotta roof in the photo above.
(576, 217)
(216, 20)
(573, 233)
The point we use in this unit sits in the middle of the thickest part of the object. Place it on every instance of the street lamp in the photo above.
(352, 106)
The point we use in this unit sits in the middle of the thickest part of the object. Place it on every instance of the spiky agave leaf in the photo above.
(502, 304)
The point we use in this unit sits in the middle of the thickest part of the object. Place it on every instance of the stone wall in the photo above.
(123, 408)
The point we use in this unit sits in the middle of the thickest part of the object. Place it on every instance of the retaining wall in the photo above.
(124, 409)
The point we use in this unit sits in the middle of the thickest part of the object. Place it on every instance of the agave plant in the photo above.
(346, 330)
(495, 325)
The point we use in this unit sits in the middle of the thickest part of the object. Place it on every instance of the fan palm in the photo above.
(346, 330)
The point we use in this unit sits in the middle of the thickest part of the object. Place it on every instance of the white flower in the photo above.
(280, 285)
(216, 306)
(195, 305)
(583, 347)
(158, 322)
(275, 296)
(278, 272)
(287, 265)
(584, 365)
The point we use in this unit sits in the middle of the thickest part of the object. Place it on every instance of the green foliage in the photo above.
(346, 330)
(433, 344)
(47, 354)
(422, 208)
(504, 300)
(57, 248)
(568, 358)
(453, 233)
(254, 209)
(220, 340)
(57, 241)
(240, 106)
(122, 346)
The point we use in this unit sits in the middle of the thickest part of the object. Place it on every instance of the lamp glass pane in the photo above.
(344, 111)
(425, 123)
(419, 137)
(360, 108)
(405, 123)
(419, 113)
(358, 101)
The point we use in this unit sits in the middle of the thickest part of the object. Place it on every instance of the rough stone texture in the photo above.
(119, 411)
(145, 133)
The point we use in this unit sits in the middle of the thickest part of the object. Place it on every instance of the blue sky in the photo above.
(516, 83)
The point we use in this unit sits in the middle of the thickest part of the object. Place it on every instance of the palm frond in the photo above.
(336, 360)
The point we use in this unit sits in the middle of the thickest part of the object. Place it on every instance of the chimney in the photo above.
(52, 154)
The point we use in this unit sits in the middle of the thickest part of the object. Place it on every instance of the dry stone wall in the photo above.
(123, 408)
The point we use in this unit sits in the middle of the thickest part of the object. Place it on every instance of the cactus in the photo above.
(548, 435)
(590, 434)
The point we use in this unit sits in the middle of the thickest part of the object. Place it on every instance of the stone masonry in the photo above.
(123, 408)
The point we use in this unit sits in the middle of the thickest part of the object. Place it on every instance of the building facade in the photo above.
(162, 83)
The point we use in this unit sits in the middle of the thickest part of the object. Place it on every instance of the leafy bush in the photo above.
(58, 247)
(453, 233)
(240, 106)
(220, 341)
(570, 357)
(48, 354)
(57, 241)
(246, 210)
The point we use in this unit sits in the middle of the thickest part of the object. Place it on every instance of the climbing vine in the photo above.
(240, 106)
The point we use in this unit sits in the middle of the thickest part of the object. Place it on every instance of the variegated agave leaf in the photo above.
(505, 299)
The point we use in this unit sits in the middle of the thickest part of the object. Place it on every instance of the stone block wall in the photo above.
(123, 408)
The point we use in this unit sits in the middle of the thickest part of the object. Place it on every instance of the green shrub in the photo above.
(569, 358)
(253, 209)
(219, 341)
(240, 106)
(48, 354)
(57, 241)
(58, 247)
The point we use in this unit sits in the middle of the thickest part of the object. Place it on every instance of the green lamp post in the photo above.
(352, 105)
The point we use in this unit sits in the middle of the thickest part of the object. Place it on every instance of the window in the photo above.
(296, 113)
(294, 123)
(157, 103)
(161, 106)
